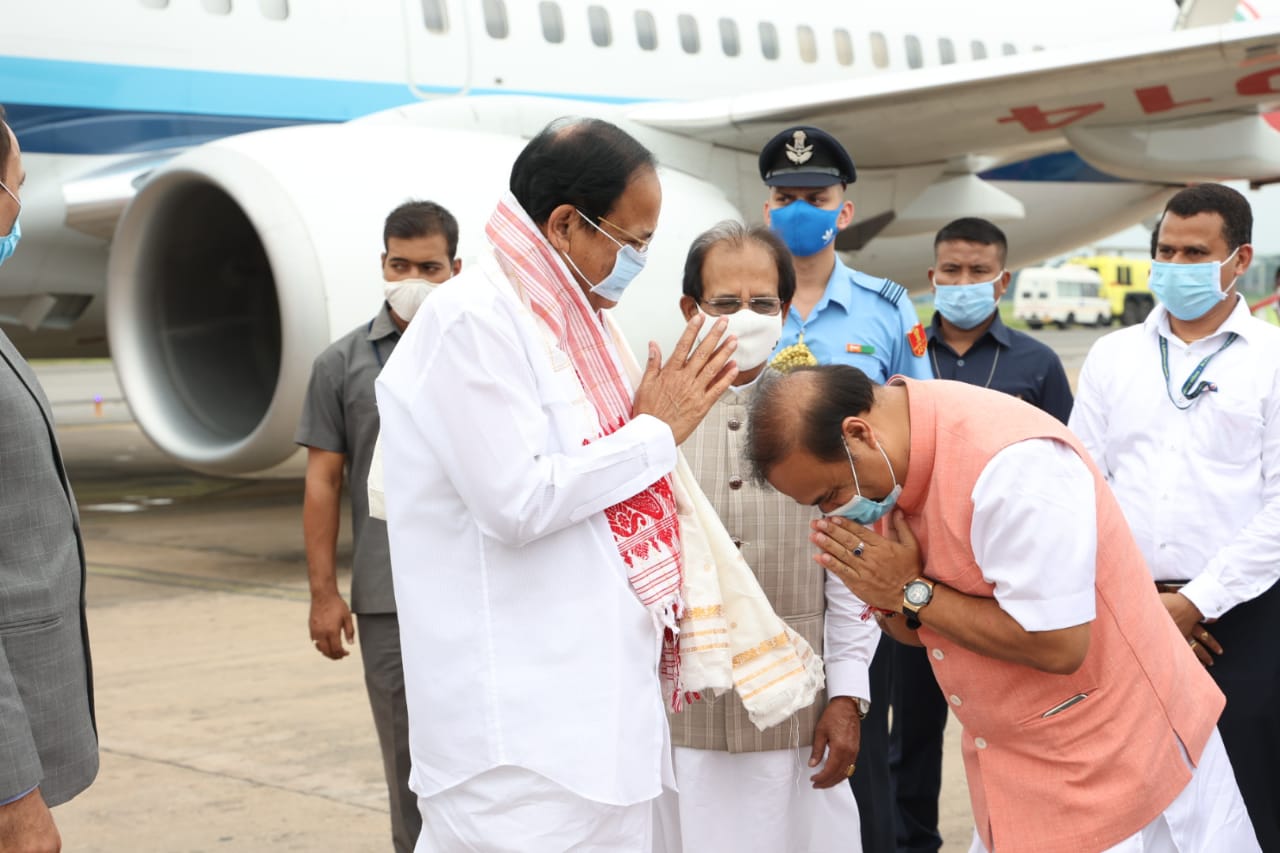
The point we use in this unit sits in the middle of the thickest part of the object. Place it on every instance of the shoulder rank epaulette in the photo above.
(892, 291)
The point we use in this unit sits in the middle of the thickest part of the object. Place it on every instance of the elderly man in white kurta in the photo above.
(534, 543)
(781, 789)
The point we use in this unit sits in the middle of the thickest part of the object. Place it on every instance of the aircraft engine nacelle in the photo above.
(239, 261)
(1204, 148)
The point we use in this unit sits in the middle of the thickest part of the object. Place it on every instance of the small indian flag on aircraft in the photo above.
(1245, 11)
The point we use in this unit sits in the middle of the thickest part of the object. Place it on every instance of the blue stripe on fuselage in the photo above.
(145, 89)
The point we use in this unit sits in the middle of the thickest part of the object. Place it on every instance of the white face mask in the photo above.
(757, 335)
(407, 295)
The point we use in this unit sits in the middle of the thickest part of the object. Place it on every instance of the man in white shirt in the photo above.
(1182, 415)
(534, 544)
(780, 790)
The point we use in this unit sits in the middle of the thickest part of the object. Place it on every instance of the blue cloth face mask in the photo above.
(626, 266)
(864, 510)
(806, 229)
(966, 305)
(1189, 291)
(9, 243)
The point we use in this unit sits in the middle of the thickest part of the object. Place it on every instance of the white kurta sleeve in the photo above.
(849, 644)
(1034, 534)
(477, 403)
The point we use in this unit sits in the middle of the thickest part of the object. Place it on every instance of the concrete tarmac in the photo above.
(221, 727)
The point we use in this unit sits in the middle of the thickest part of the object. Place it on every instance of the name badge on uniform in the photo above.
(865, 349)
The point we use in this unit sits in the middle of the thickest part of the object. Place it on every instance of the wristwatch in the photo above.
(916, 595)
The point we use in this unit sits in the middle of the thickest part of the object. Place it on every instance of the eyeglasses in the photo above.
(641, 246)
(723, 306)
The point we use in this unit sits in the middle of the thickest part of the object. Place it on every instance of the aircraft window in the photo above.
(978, 49)
(1008, 49)
(880, 50)
(495, 19)
(729, 40)
(433, 16)
(946, 51)
(646, 30)
(769, 40)
(844, 47)
(156, 4)
(274, 10)
(601, 32)
(808, 43)
(689, 34)
(552, 21)
(217, 7)
(915, 55)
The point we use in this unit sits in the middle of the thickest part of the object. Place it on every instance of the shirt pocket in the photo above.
(1228, 433)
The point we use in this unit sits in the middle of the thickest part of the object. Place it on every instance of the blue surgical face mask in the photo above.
(1189, 291)
(806, 229)
(626, 266)
(966, 305)
(9, 243)
(864, 510)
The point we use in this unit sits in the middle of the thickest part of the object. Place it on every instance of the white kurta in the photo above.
(754, 802)
(523, 641)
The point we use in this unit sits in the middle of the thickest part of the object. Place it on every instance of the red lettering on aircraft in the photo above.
(1152, 99)
(1036, 120)
(1259, 82)
(1159, 99)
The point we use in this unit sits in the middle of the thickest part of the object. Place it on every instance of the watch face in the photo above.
(917, 592)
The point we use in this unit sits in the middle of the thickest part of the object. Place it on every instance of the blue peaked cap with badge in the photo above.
(804, 156)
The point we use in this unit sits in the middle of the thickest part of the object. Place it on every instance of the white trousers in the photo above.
(754, 802)
(1207, 817)
(513, 810)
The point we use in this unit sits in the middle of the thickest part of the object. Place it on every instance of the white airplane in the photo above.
(207, 179)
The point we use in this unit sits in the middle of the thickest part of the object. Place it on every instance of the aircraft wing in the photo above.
(1118, 104)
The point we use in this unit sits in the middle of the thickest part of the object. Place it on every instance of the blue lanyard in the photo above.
(1194, 386)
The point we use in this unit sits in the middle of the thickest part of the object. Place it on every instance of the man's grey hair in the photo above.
(736, 234)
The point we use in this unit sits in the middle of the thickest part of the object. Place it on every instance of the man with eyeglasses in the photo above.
(841, 316)
(781, 789)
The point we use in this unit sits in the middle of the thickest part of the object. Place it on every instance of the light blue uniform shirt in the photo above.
(862, 321)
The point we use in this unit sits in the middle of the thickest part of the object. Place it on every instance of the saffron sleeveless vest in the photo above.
(1094, 774)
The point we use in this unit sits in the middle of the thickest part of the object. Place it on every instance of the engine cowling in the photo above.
(239, 261)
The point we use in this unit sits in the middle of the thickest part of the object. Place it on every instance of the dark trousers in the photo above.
(915, 750)
(871, 783)
(1248, 672)
(379, 642)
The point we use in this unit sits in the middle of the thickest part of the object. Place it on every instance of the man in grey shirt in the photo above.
(339, 426)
